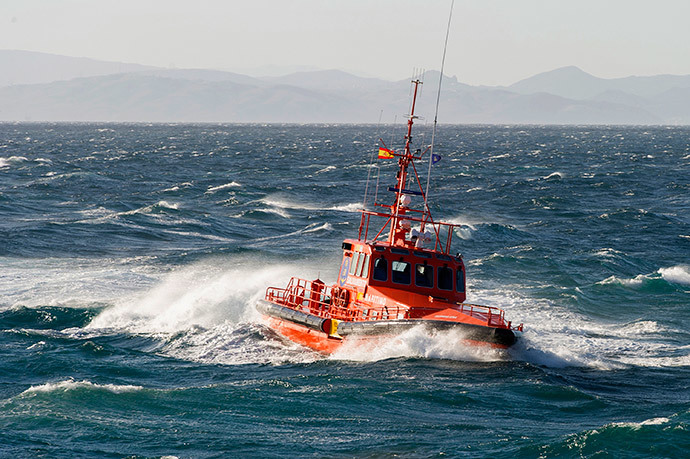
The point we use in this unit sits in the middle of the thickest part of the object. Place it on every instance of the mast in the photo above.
(399, 209)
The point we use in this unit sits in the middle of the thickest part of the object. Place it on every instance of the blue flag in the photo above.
(435, 158)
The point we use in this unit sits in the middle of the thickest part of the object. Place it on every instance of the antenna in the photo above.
(438, 98)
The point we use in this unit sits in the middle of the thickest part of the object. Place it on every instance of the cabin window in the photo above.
(424, 275)
(400, 251)
(381, 269)
(364, 272)
(460, 285)
(445, 278)
(353, 263)
(400, 272)
(360, 262)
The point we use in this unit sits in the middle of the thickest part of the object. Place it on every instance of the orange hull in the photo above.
(321, 342)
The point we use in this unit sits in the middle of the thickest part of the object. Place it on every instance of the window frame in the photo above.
(378, 270)
(409, 273)
(438, 278)
(417, 276)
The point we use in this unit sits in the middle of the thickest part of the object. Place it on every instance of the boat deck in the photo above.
(313, 297)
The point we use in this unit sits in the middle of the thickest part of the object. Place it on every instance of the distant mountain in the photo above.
(140, 97)
(573, 83)
(58, 88)
(28, 67)
(329, 80)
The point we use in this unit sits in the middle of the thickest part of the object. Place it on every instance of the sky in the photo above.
(491, 42)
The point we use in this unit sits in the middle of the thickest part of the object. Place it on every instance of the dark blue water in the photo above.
(131, 257)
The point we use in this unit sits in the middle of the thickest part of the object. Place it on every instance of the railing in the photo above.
(300, 296)
(393, 220)
(318, 299)
(323, 301)
(494, 316)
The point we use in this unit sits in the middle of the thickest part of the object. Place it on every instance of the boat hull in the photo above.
(308, 329)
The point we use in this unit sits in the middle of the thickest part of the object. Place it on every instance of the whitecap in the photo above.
(607, 252)
(70, 384)
(634, 282)
(324, 227)
(168, 205)
(213, 189)
(284, 204)
(467, 226)
(210, 237)
(638, 425)
(325, 169)
(676, 274)
(149, 209)
(352, 207)
(7, 162)
(281, 212)
(554, 175)
(308, 229)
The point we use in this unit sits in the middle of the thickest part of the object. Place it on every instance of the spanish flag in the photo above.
(385, 153)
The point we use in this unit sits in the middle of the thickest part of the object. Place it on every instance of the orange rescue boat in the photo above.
(402, 277)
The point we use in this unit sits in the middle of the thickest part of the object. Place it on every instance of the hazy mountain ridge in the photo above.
(91, 90)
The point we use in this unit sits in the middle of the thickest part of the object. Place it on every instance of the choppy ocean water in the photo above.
(131, 256)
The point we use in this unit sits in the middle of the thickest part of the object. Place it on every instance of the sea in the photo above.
(132, 256)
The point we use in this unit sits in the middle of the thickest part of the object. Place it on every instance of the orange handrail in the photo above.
(300, 296)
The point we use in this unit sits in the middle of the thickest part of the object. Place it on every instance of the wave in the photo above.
(177, 187)
(237, 344)
(312, 228)
(72, 282)
(676, 274)
(467, 226)
(419, 342)
(325, 169)
(12, 160)
(206, 313)
(607, 252)
(557, 337)
(102, 214)
(201, 295)
(213, 189)
(654, 437)
(638, 425)
(70, 385)
(284, 204)
(196, 235)
(554, 176)
(663, 277)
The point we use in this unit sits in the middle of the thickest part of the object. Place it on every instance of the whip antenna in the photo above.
(438, 97)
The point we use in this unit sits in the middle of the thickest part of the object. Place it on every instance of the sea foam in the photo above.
(70, 384)
(203, 295)
(676, 274)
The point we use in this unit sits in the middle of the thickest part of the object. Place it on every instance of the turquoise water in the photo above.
(131, 256)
